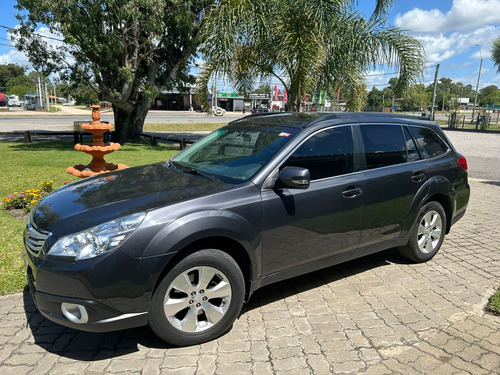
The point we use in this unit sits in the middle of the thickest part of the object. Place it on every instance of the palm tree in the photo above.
(495, 53)
(305, 44)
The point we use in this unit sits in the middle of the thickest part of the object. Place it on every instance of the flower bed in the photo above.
(26, 199)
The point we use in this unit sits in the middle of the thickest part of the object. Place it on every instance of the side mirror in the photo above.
(294, 178)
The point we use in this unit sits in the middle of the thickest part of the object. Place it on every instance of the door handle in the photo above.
(418, 177)
(352, 192)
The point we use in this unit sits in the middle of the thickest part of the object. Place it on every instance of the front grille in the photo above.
(35, 237)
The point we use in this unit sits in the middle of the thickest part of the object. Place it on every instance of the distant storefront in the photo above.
(174, 100)
(260, 100)
(230, 101)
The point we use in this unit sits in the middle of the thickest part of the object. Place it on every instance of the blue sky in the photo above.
(455, 34)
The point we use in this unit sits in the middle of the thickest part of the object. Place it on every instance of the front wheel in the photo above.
(199, 299)
(426, 234)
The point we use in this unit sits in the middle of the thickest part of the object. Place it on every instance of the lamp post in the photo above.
(477, 84)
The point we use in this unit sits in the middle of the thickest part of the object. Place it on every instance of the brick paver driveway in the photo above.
(375, 315)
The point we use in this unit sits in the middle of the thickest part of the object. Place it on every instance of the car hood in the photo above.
(98, 199)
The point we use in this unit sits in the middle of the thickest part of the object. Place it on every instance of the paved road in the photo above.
(375, 315)
(30, 120)
(481, 150)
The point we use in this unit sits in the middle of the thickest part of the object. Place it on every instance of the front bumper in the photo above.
(107, 293)
(97, 317)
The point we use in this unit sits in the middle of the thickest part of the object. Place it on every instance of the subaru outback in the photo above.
(182, 244)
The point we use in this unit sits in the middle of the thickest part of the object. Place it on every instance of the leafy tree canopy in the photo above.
(21, 80)
(7, 72)
(495, 53)
(375, 97)
(127, 51)
(306, 44)
(263, 89)
(489, 95)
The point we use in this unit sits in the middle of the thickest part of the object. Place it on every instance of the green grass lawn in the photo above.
(24, 166)
(493, 306)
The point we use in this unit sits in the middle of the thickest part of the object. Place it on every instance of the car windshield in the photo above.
(235, 152)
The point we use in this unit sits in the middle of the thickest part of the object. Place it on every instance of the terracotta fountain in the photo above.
(97, 149)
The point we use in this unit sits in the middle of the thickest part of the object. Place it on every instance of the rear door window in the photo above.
(384, 145)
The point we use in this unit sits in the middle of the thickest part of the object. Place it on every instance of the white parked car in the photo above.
(71, 102)
(218, 111)
(14, 101)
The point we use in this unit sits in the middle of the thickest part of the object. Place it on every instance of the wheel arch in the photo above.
(437, 189)
(226, 244)
(445, 202)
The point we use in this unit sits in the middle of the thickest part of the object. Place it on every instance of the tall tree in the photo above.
(19, 86)
(374, 98)
(306, 44)
(489, 95)
(8, 72)
(126, 50)
(495, 53)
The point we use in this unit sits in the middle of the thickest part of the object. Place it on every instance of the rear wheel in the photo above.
(426, 234)
(199, 299)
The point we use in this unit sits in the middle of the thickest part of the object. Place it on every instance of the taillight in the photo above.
(462, 163)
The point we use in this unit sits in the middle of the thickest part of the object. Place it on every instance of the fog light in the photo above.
(75, 313)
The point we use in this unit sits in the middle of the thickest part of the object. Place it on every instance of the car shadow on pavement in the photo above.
(89, 346)
(303, 283)
(85, 346)
(494, 183)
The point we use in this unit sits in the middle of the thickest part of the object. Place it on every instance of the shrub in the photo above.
(26, 199)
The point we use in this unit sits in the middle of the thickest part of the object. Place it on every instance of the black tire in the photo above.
(426, 234)
(204, 293)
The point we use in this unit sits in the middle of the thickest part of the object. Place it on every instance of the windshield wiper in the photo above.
(197, 172)
(187, 169)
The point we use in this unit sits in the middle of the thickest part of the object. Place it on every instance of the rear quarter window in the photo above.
(430, 144)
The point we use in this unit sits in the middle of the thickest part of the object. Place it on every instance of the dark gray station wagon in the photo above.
(180, 245)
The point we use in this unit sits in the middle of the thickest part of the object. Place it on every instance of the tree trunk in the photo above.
(129, 124)
(295, 103)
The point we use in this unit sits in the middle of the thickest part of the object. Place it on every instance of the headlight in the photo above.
(97, 240)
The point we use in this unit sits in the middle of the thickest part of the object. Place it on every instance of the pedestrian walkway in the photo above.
(375, 315)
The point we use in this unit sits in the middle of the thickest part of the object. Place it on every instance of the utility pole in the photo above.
(442, 108)
(47, 98)
(477, 89)
(40, 100)
(434, 91)
(214, 93)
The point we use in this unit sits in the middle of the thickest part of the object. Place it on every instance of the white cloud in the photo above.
(463, 15)
(418, 20)
(440, 47)
(15, 57)
(376, 78)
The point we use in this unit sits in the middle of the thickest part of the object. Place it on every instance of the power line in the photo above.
(394, 73)
(38, 34)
